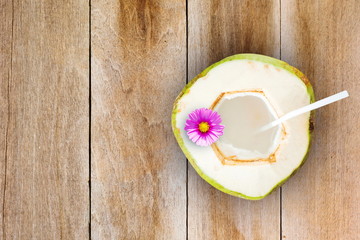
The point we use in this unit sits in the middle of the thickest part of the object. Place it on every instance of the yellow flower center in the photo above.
(204, 127)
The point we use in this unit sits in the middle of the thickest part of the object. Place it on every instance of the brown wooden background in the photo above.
(86, 91)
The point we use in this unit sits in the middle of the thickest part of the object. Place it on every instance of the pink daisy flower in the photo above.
(203, 126)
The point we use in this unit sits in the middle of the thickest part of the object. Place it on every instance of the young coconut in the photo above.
(246, 91)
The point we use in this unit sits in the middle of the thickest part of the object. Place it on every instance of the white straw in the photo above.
(308, 108)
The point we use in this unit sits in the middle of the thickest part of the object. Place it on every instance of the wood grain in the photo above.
(44, 119)
(322, 39)
(138, 68)
(218, 29)
(5, 75)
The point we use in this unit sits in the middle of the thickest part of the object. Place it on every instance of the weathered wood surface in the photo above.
(142, 53)
(322, 39)
(5, 75)
(44, 117)
(218, 29)
(138, 68)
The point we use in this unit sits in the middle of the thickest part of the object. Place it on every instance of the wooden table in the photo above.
(86, 91)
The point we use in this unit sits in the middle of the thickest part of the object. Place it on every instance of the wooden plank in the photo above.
(218, 29)
(322, 39)
(44, 101)
(5, 74)
(138, 68)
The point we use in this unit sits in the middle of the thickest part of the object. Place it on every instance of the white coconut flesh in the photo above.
(253, 94)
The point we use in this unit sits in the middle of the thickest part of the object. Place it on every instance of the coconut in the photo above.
(248, 91)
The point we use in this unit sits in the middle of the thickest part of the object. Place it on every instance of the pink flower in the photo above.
(203, 126)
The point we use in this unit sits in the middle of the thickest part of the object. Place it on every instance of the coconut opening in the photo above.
(242, 114)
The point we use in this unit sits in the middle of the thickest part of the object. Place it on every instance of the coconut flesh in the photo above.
(248, 91)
